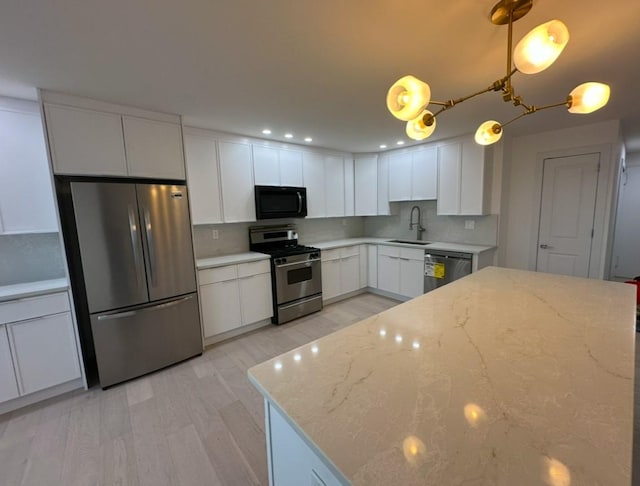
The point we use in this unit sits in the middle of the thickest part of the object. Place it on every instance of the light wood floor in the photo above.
(197, 423)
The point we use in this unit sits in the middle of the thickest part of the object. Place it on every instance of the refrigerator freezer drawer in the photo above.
(138, 340)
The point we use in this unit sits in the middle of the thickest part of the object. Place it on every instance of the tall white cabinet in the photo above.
(236, 177)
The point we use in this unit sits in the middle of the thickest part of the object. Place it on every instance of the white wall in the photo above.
(626, 248)
(522, 184)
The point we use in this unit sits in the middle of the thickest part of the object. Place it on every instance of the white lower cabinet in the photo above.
(37, 345)
(364, 263)
(45, 352)
(233, 296)
(8, 383)
(293, 462)
(340, 271)
(372, 266)
(401, 270)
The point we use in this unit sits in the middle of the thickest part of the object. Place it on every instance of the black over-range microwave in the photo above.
(280, 202)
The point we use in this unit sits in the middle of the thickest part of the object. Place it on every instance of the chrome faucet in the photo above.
(418, 223)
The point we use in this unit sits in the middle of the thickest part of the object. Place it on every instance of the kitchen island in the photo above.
(503, 377)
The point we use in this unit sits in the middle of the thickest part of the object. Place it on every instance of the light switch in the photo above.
(215, 234)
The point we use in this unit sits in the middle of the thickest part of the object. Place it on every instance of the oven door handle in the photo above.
(306, 263)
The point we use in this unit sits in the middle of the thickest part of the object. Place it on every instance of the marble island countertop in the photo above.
(504, 377)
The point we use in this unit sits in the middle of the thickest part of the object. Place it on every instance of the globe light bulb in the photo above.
(407, 97)
(588, 97)
(489, 132)
(418, 129)
(539, 49)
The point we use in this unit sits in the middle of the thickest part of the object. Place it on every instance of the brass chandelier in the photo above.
(409, 97)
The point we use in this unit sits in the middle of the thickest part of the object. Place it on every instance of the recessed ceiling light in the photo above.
(266, 131)
(383, 146)
(308, 139)
(399, 142)
(288, 135)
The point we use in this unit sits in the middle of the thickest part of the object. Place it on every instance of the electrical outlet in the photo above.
(215, 234)
(469, 224)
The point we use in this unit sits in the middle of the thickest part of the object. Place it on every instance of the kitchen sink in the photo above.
(410, 242)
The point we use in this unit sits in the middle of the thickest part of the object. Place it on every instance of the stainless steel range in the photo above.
(296, 277)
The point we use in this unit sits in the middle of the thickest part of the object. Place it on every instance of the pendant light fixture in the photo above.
(409, 97)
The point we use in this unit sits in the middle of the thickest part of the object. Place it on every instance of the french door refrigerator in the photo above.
(136, 253)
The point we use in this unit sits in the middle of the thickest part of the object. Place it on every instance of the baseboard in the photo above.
(235, 332)
(389, 295)
(41, 395)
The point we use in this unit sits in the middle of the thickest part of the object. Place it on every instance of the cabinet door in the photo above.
(26, 196)
(220, 307)
(8, 383)
(203, 179)
(364, 259)
(313, 168)
(154, 148)
(411, 277)
(349, 274)
(236, 177)
(256, 303)
(472, 179)
(424, 179)
(400, 177)
(389, 273)
(85, 142)
(45, 352)
(372, 256)
(291, 168)
(366, 186)
(266, 166)
(334, 186)
(384, 208)
(330, 279)
(449, 179)
(349, 189)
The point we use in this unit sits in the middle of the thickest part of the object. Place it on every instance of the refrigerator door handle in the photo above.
(152, 253)
(133, 228)
(164, 305)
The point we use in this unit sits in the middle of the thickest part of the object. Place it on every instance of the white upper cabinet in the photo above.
(266, 166)
(424, 174)
(313, 169)
(400, 177)
(202, 177)
(334, 186)
(349, 188)
(384, 208)
(85, 142)
(413, 174)
(26, 196)
(236, 178)
(463, 181)
(291, 168)
(153, 148)
(366, 185)
(275, 167)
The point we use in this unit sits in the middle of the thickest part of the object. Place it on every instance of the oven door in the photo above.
(297, 280)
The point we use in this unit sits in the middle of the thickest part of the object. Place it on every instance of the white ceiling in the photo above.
(317, 68)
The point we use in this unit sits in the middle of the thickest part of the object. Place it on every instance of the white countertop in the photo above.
(474, 249)
(221, 261)
(31, 289)
(503, 377)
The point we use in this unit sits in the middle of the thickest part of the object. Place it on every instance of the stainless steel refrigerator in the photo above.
(135, 249)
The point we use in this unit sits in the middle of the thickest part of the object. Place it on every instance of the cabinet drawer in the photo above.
(331, 254)
(349, 251)
(412, 254)
(253, 268)
(392, 251)
(219, 274)
(28, 308)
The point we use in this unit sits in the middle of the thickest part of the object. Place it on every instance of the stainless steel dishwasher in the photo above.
(443, 267)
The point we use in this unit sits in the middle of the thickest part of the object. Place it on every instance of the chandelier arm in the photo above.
(534, 109)
(509, 46)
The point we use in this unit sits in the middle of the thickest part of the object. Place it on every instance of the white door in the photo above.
(349, 188)
(330, 279)
(400, 177)
(350, 274)
(291, 168)
(388, 273)
(569, 189)
(8, 383)
(366, 185)
(424, 174)
(449, 164)
(626, 247)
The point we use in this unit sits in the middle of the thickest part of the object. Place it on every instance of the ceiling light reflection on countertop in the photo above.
(557, 474)
(314, 349)
(399, 142)
(416, 345)
(474, 414)
(398, 338)
(277, 365)
(297, 357)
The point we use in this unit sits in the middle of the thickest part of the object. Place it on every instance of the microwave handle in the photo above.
(299, 202)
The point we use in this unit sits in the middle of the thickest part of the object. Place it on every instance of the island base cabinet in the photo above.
(291, 461)
(45, 352)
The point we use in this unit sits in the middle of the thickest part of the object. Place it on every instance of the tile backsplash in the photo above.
(30, 257)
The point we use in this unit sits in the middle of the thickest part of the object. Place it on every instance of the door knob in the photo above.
(544, 246)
